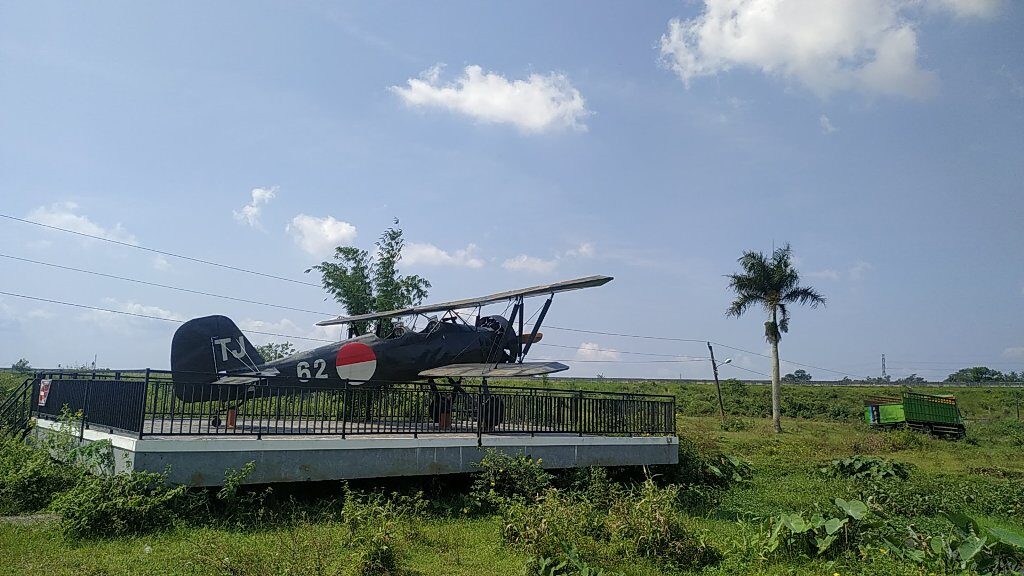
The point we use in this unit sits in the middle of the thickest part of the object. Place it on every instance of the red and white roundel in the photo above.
(356, 361)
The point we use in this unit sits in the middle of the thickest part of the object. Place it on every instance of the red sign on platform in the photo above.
(44, 391)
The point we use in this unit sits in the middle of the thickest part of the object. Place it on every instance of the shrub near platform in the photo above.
(104, 506)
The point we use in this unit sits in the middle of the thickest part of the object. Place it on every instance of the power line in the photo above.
(148, 316)
(669, 339)
(622, 361)
(624, 335)
(162, 252)
(786, 361)
(169, 287)
(677, 356)
(747, 369)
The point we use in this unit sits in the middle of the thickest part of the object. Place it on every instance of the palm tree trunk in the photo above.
(776, 389)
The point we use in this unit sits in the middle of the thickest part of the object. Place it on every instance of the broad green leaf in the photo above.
(797, 524)
(1007, 537)
(834, 524)
(971, 546)
(915, 555)
(853, 508)
(824, 543)
(937, 544)
(962, 521)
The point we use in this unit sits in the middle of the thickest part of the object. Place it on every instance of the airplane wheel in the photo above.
(492, 413)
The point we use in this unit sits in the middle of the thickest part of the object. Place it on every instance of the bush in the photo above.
(593, 484)
(29, 477)
(377, 523)
(504, 477)
(702, 463)
(553, 522)
(929, 495)
(117, 505)
(647, 524)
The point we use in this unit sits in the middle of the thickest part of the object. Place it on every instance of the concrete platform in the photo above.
(202, 460)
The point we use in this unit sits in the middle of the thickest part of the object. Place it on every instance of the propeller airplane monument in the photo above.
(211, 353)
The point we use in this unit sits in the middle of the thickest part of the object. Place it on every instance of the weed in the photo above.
(554, 520)
(970, 546)
(505, 477)
(798, 534)
(567, 564)
(648, 524)
(863, 467)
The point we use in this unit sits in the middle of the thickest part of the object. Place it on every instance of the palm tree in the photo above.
(774, 284)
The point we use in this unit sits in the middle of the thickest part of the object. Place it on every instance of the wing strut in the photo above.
(536, 327)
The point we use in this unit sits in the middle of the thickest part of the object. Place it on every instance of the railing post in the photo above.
(533, 412)
(85, 412)
(344, 409)
(479, 419)
(579, 413)
(142, 410)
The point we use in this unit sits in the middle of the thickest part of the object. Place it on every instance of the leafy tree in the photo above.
(365, 283)
(887, 379)
(271, 351)
(774, 284)
(798, 376)
(21, 366)
(912, 379)
(976, 374)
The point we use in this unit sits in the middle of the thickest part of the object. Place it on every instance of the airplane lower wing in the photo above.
(494, 370)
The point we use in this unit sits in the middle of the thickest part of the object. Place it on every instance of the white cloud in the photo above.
(161, 264)
(840, 45)
(250, 213)
(532, 264)
(591, 351)
(430, 255)
(826, 274)
(124, 323)
(1016, 352)
(289, 331)
(859, 269)
(584, 250)
(540, 103)
(826, 125)
(319, 236)
(968, 8)
(62, 215)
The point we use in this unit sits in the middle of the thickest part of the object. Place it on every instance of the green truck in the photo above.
(938, 415)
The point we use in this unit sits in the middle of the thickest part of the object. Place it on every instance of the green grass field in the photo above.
(982, 476)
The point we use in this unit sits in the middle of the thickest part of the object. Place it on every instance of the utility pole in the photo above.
(718, 387)
(883, 366)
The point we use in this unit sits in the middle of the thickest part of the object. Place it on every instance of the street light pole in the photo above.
(718, 387)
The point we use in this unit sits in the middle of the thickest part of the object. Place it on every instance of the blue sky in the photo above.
(519, 144)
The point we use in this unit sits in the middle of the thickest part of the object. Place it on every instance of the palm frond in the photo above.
(804, 295)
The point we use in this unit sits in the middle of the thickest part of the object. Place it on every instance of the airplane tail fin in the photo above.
(204, 347)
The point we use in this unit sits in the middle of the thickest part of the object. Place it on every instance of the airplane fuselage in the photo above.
(371, 359)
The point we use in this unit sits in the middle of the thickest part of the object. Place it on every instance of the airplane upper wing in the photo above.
(587, 282)
(494, 370)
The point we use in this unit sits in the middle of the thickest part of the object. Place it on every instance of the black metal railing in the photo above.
(161, 403)
(16, 408)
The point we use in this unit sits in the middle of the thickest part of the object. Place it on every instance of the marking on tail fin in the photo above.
(223, 343)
